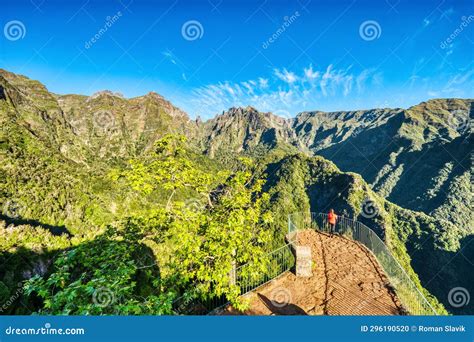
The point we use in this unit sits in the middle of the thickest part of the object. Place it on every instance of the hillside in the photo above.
(299, 184)
(89, 130)
(85, 179)
(245, 131)
(417, 158)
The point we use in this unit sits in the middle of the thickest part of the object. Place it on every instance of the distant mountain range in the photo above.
(414, 165)
(419, 158)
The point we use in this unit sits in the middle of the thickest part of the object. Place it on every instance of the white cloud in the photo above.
(249, 86)
(452, 85)
(348, 85)
(287, 90)
(286, 76)
(263, 83)
(458, 83)
(334, 80)
(361, 79)
(461, 78)
(169, 56)
(310, 74)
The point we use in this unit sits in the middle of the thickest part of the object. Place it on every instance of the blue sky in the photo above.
(281, 56)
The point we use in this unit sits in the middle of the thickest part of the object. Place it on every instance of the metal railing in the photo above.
(406, 290)
(247, 277)
(279, 261)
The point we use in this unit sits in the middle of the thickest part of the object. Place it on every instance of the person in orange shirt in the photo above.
(332, 219)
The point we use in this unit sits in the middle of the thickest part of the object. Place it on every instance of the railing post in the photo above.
(303, 261)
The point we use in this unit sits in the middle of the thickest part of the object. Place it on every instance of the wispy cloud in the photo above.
(459, 80)
(283, 89)
(310, 74)
(286, 76)
(263, 83)
(169, 56)
(173, 59)
(457, 85)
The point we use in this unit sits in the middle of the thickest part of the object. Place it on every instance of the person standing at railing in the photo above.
(332, 219)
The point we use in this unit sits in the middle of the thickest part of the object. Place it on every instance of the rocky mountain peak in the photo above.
(105, 93)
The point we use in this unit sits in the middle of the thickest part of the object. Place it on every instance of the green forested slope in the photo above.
(99, 203)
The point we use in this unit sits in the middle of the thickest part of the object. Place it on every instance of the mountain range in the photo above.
(413, 166)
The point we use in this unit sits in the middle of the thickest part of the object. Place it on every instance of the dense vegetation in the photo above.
(144, 262)
(126, 215)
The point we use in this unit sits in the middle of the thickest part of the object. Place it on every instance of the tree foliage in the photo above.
(196, 243)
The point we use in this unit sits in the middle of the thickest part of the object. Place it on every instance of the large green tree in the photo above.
(211, 224)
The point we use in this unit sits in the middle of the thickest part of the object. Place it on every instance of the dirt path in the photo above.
(346, 280)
